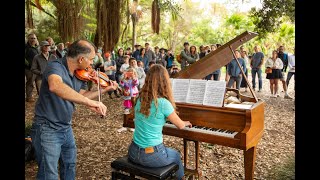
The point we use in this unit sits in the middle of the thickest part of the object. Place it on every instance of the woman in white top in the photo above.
(276, 65)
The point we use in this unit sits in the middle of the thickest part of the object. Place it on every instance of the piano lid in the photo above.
(215, 59)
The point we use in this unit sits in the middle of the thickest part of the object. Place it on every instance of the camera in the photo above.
(129, 74)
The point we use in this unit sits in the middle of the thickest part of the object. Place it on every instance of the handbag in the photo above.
(268, 70)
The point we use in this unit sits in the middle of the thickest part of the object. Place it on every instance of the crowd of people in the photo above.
(141, 77)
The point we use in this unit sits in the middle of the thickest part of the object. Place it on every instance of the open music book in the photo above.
(197, 91)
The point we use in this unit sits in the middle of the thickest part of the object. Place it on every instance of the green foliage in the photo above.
(171, 6)
(284, 171)
(27, 127)
(270, 17)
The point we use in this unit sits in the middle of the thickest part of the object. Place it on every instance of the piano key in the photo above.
(202, 129)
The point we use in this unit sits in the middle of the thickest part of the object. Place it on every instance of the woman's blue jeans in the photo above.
(161, 156)
(52, 147)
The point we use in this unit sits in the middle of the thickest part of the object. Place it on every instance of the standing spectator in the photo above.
(161, 59)
(140, 71)
(40, 62)
(136, 53)
(202, 51)
(67, 44)
(256, 63)
(244, 56)
(185, 56)
(53, 47)
(276, 65)
(97, 63)
(60, 52)
(128, 52)
(140, 64)
(31, 49)
(193, 53)
(119, 61)
(291, 64)
(216, 74)
(173, 70)
(153, 108)
(284, 57)
(169, 58)
(157, 53)
(144, 58)
(124, 67)
(234, 70)
(51, 132)
(149, 53)
(110, 69)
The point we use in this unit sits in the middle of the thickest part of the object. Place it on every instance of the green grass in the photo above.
(27, 127)
(284, 171)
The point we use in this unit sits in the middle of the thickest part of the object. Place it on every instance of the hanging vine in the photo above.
(155, 16)
(70, 22)
(110, 23)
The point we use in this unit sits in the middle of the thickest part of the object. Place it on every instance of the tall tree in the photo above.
(29, 15)
(70, 21)
(269, 18)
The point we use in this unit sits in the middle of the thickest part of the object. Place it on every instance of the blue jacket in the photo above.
(234, 69)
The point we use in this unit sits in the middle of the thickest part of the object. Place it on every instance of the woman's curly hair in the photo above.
(157, 85)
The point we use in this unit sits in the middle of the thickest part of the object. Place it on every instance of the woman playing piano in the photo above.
(153, 106)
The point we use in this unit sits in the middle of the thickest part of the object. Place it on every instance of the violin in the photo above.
(87, 75)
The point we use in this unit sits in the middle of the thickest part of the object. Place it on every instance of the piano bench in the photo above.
(123, 164)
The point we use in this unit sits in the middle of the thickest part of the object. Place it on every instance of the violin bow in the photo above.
(99, 91)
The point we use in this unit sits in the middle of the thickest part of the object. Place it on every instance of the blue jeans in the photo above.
(255, 71)
(235, 78)
(290, 74)
(161, 156)
(52, 147)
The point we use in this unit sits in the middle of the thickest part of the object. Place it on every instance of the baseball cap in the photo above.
(44, 43)
(107, 54)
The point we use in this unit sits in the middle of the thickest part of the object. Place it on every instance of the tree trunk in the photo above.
(29, 15)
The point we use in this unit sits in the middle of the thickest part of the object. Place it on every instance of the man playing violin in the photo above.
(51, 131)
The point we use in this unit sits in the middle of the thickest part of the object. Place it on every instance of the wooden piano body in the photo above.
(247, 123)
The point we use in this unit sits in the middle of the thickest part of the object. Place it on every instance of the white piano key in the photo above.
(218, 132)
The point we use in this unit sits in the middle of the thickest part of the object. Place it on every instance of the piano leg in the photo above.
(185, 152)
(191, 173)
(249, 162)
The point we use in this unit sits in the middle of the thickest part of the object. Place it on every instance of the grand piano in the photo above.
(226, 126)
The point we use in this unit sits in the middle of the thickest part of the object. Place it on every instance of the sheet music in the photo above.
(196, 91)
(180, 89)
(214, 93)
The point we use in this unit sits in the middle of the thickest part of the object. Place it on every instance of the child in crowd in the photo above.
(129, 82)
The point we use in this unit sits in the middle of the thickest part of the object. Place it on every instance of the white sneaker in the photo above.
(131, 129)
(122, 129)
(126, 111)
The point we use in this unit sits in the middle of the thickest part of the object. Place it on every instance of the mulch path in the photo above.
(99, 143)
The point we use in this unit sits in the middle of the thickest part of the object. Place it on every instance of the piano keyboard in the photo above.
(206, 130)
